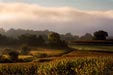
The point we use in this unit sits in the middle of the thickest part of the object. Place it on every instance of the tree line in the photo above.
(67, 36)
(53, 39)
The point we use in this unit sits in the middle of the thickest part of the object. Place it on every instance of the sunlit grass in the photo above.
(93, 47)
(49, 52)
(65, 66)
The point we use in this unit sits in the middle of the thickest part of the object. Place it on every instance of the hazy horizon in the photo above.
(62, 16)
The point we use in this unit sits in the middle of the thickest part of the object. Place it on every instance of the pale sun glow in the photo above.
(6, 16)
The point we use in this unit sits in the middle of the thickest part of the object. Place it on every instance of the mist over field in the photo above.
(60, 19)
(56, 37)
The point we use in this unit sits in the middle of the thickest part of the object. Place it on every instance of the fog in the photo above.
(59, 19)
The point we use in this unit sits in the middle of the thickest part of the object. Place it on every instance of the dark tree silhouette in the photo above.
(13, 55)
(28, 39)
(100, 35)
(55, 41)
(41, 41)
(31, 39)
(54, 37)
(87, 36)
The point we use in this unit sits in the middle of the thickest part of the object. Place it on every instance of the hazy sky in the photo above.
(75, 16)
(81, 4)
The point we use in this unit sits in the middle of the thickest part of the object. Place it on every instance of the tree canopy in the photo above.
(30, 39)
(100, 35)
(55, 41)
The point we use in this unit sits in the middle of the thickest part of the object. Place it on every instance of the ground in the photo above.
(79, 60)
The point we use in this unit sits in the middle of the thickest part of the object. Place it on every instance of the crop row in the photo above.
(75, 66)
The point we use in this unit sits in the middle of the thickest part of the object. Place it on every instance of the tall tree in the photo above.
(31, 39)
(28, 39)
(55, 41)
(54, 37)
(100, 35)
(41, 41)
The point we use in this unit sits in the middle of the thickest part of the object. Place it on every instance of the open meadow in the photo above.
(80, 60)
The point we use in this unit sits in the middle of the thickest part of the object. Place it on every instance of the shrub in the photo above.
(13, 55)
(25, 49)
(3, 59)
(6, 50)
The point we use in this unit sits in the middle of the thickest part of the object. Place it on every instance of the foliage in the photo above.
(67, 66)
(41, 41)
(21, 59)
(28, 39)
(25, 49)
(31, 40)
(4, 60)
(13, 55)
(4, 40)
(100, 35)
(18, 69)
(54, 37)
(55, 41)
(87, 36)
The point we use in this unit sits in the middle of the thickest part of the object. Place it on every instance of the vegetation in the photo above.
(100, 35)
(75, 66)
(54, 56)
(45, 52)
(25, 49)
(93, 47)
(93, 42)
(31, 40)
(13, 55)
(55, 41)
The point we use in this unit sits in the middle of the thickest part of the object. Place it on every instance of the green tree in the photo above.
(28, 39)
(100, 35)
(55, 41)
(54, 37)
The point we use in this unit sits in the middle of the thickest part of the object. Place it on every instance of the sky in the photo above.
(81, 4)
(75, 16)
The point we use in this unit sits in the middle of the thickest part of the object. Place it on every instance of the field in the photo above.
(47, 52)
(65, 66)
(80, 60)
(93, 47)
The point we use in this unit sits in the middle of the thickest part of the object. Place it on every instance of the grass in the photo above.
(90, 50)
(87, 54)
(65, 66)
(20, 56)
(25, 56)
(38, 54)
(84, 60)
(93, 47)
(48, 52)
